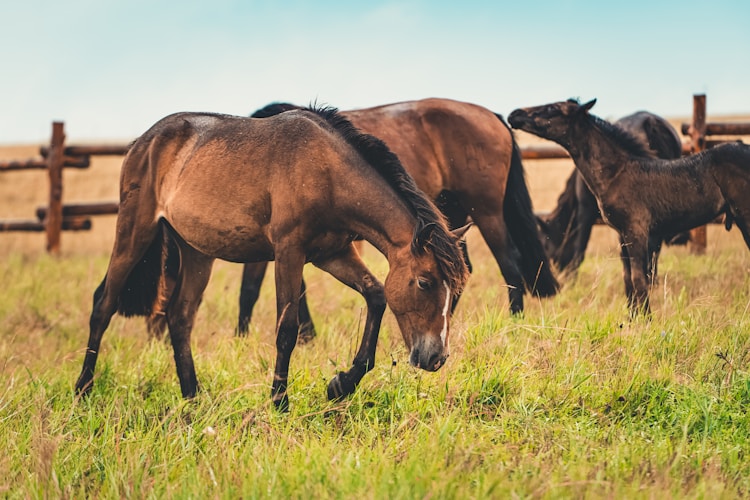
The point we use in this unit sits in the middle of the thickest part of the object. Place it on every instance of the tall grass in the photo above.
(570, 400)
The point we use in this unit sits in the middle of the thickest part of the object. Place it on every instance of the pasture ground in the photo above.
(570, 400)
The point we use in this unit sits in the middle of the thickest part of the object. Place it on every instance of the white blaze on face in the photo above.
(444, 333)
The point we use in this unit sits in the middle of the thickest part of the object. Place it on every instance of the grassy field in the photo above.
(571, 400)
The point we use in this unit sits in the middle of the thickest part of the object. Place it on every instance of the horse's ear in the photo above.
(423, 236)
(459, 232)
(586, 107)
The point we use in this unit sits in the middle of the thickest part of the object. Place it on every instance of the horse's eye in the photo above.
(424, 283)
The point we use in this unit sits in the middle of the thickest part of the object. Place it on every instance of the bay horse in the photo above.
(567, 229)
(295, 188)
(644, 198)
(465, 158)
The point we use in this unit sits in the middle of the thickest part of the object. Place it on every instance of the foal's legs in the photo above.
(130, 246)
(635, 261)
(348, 268)
(195, 270)
(288, 283)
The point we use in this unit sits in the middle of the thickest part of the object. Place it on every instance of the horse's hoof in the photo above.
(306, 333)
(339, 387)
(83, 388)
(281, 403)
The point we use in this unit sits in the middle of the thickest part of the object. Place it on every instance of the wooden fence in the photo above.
(57, 217)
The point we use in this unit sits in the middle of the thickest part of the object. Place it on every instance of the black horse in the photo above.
(643, 198)
(567, 229)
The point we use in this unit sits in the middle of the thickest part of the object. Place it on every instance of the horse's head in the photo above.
(420, 289)
(550, 121)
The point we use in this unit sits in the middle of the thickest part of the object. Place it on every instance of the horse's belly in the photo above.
(233, 240)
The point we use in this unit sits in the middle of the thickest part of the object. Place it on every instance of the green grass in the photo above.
(569, 400)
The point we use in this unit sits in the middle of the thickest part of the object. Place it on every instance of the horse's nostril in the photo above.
(414, 358)
(433, 363)
(436, 362)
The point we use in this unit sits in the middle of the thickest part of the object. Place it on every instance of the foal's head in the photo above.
(550, 121)
(421, 285)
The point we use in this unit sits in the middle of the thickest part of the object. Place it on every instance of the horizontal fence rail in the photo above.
(57, 217)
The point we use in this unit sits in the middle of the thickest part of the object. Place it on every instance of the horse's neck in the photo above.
(597, 156)
(383, 220)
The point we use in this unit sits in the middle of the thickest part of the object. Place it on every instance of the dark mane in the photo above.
(273, 109)
(622, 137)
(387, 164)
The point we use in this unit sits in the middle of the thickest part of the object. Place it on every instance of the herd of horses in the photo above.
(298, 185)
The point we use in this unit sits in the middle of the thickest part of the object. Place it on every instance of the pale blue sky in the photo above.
(110, 69)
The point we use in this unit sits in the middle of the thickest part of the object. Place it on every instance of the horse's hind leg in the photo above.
(252, 278)
(454, 212)
(126, 254)
(195, 270)
(626, 273)
(654, 249)
(465, 252)
(101, 315)
(507, 255)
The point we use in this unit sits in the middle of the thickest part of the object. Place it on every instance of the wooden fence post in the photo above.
(55, 159)
(698, 236)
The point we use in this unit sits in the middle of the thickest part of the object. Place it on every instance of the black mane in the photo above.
(274, 109)
(386, 163)
(622, 137)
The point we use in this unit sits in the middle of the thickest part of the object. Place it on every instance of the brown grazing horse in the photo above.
(295, 188)
(464, 157)
(643, 198)
(567, 228)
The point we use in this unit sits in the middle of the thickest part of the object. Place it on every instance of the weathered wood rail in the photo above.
(57, 217)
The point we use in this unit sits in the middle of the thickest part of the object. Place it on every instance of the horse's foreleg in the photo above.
(350, 270)
(638, 261)
(195, 270)
(288, 285)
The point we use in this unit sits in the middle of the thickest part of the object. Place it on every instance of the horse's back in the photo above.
(443, 143)
(654, 131)
(223, 181)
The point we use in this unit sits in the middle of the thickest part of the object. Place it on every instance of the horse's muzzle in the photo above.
(427, 360)
(518, 118)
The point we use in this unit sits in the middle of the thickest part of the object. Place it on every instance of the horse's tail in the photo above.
(143, 293)
(170, 267)
(559, 228)
(522, 225)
